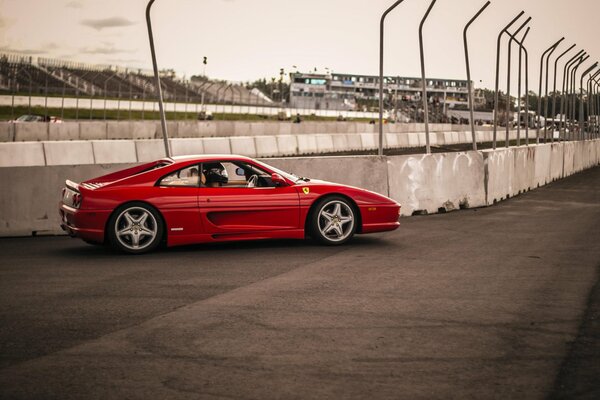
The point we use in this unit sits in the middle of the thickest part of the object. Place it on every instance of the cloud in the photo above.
(104, 49)
(74, 4)
(113, 22)
(28, 52)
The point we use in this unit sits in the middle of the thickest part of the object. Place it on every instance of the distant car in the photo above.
(217, 198)
(205, 116)
(37, 118)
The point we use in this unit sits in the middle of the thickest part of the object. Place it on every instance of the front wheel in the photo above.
(135, 228)
(333, 221)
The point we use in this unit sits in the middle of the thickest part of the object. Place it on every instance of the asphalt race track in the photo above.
(501, 302)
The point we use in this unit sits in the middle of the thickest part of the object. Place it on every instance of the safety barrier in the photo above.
(422, 183)
(97, 130)
(124, 151)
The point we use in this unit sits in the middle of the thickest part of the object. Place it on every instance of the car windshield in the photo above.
(28, 118)
(290, 176)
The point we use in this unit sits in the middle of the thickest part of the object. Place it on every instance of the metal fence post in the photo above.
(574, 93)
(496, 96)
(424, 79)
(520, 43)
(565, 88)
(381, 34)
(508, 102)
(581, 103)
(539, 111)
(163, 118)
(468, 66)
(554, 91)
(546, 93)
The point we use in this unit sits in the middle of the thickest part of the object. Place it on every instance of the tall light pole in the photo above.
(565, 88)
(508, 102)
(544, 54)
(496, 96)
(467, 64)
(520, 43)
(574, 93)
(381, 33)
(590, 69)
(554, 90)
(424, 79)
(163, 117)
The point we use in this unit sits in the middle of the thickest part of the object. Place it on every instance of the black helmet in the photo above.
(215, 173)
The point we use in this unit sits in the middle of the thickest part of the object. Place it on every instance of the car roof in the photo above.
(207, 157)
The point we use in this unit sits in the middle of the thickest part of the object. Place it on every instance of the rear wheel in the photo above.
(333, 221)
(135, 228)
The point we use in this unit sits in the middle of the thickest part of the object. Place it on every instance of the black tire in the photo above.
(135, 228)
(329, 227)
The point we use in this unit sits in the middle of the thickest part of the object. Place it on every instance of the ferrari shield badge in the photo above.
(306, 190)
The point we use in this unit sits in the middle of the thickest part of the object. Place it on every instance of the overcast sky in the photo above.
(249, 39)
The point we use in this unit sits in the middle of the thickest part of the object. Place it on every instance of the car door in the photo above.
(235, 207)
(176, 195)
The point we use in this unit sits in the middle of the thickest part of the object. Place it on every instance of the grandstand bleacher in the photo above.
(28, 75)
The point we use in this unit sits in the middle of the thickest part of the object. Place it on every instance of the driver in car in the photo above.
(214, 175)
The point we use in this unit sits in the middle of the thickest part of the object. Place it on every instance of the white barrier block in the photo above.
(142, 130)
(63, 131)
(77, 152)
(556, 161)
(542, 164)
(287, 145)
(568, 158)
(324, 143)
(403, 140)
(500, 173)
(206, 129)
(188, 129)
(354, 141)
(440, 139)
(114, 151)
(392, 141)
(185, 147)
(119, 130)
(243, 145)
(7, 132)
(413, 139)
(524, 179)
(218, 145)
(340, 142)
(150, 150)
(31, 131)
(266, 146)
(21, 154)
(94, 130)
(369, 141)
(226, 129)
(431, 182)
(307, 144)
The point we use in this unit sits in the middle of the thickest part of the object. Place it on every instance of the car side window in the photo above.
(186, 177)
(234, 174)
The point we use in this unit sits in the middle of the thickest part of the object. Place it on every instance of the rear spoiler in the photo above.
(72, 185)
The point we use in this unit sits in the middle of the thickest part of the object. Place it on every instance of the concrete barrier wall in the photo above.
(430, 183)
(421, 183)
(96, 130)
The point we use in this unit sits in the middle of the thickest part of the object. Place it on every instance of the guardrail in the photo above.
(83, 152)
(422, 183)
(98, 130)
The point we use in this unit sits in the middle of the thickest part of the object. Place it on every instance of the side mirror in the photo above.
(278, 180)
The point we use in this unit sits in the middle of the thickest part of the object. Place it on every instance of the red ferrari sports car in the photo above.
(215, 198)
